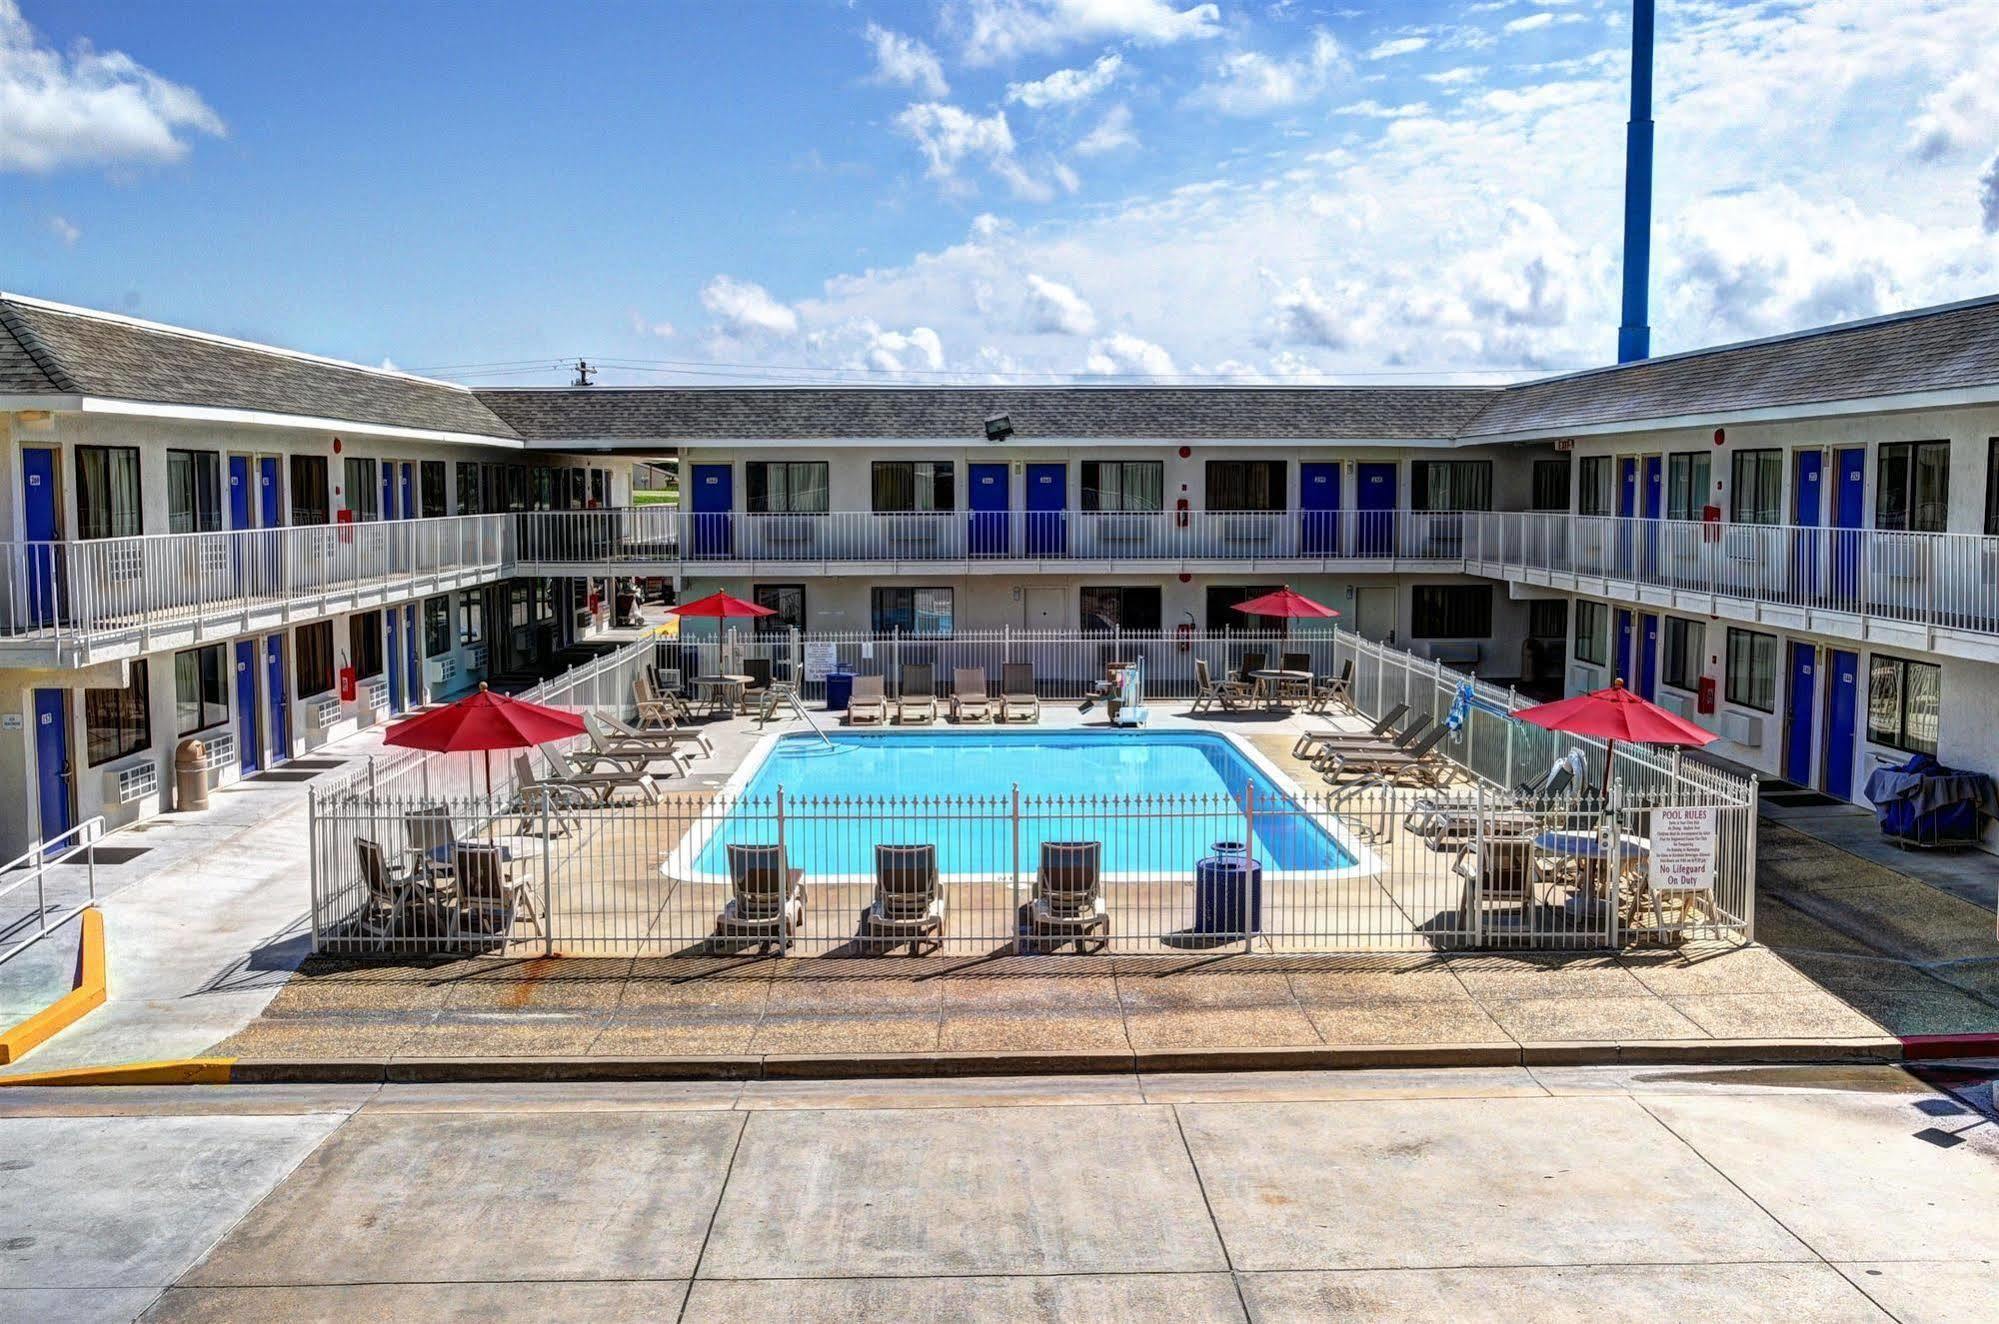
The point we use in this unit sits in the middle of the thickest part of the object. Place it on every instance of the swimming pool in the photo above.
(1157, 799)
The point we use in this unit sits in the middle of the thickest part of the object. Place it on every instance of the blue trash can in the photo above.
(839, 690)
(1228, 888)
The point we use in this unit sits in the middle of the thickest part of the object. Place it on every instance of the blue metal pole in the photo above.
(1634, 337)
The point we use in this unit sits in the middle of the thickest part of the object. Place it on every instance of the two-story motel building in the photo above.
(1794, 541)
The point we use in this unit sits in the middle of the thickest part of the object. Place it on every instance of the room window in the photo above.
(1442, 485)
(911, 486)
(1912, 487)
(1680, 652)
(194, 491)
(362, 496)
(437, 625)
(1756, 487)
(787, 600)
(312, 645)
(1124, 485)
(517, 487)
(1593, 485)
(1450, 611)
(1551, 484)
(468, 488)
(1752, 670)
(785, 487)
(600, 488)
(1120, 607)
(310, 502)
(1903, 701)
(364, 643)
(201, 689)
(1548, 618)
(1592, 632)
(914, 611)
(1223, 618)
(541, 489)
(517, 609)
(1245, 485)
(1992, 486)
(471, 617)
(118, 722)
(433, 500)
(1687, 477)
(107, 491)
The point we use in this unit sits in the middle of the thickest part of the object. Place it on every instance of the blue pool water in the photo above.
(1156, 799)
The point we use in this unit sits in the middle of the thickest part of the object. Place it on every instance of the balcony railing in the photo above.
(177, 582)
(1946, 580)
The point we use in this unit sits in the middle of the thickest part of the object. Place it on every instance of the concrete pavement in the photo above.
(1770, 1193)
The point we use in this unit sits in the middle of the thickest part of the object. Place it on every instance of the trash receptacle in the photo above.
(190, 776)
(839, 690)
(1228, 892)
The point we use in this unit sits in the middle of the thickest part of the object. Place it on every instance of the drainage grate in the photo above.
(284, 775)
(1799, 799)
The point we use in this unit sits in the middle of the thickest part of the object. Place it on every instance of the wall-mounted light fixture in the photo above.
(999, 427)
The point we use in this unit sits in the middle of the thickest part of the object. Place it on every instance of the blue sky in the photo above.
(1277, 190)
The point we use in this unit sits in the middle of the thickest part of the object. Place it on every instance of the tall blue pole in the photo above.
(1634, 337)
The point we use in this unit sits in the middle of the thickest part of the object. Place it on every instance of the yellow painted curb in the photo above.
(86, 995)
(181, 1071)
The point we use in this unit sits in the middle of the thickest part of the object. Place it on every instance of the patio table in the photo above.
(1586, 849)
(1271, 679)
(723, 693)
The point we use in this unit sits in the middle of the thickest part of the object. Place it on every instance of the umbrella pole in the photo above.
(487, 756)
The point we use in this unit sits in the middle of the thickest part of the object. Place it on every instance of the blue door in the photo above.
(1627, 509)
(52, 771)
(1374, 499)
(249, 748)
(391, 620)
(239, 518)
(988, 504)
(1654, 498)
(1319, 508)
(409, 490)
(714, 496)
(388, 489)
(1842, 721)
(1624, 643)
(1047, 509)
(42, 524)
(268, 492)
(1849, 515)
(278, 687)
(412, 668)
(1803, 712)
(1806, 504)
(1648, 656)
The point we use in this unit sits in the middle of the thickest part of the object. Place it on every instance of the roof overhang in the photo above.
(1969, 397)
(1013, 443)
(90, 404)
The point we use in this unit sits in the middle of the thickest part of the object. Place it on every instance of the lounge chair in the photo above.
(1312, 740)
(867, 706)
(630, 749)
(686, 739)
(969, 700)
(606, 784)
(909, 901)
(1018, 701)
(1388, 763)
(1068, 902)
(393, 898)
(767, 905)
(1334, 691)
(1208, 692)
(602, 755)
(489, 897)
(917, 699)
(1360, 745)
(758, 670)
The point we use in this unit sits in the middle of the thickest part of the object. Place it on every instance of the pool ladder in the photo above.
(788, 693)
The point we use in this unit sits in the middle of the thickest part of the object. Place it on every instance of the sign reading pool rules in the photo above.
(1683, 849)
(820, 660)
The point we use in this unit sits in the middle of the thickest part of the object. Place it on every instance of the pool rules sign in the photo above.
(1683, 849)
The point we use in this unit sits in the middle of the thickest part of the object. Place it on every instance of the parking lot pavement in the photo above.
(1758, 1193)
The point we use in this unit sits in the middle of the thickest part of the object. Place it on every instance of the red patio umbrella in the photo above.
(1286, 603)
(1616, 714)
(484, 721)
(720, 606)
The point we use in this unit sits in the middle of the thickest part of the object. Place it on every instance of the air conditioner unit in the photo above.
(1743, 729)
(1680, 705)
(475, 656)
(133, 783)
(1584, 679)
(441, 669)
(323, 712)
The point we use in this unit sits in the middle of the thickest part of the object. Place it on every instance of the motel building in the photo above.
(1793, 542)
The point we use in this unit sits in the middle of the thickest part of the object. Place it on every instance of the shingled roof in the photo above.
(53, 349)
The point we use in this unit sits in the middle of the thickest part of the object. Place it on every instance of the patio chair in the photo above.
(393, 898)
(1208, 692)
(623, 780)
(767, 903)
(758, 670)
(534, 797)
(969, 700)
(909, 901)
(490, 898)
(1401, 741)
(659, 697)
(1295, 691)
(1018, 701)
(1307, 744)
(1068, 903)
(867, 705)
(1385, 763)
(917, 699)
(685, 739)
(1334, 691)
(1251, 662)
(431, 836)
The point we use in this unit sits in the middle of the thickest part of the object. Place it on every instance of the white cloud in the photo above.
(906, 62)
(1462, 76)
(744, 308)
(1530, 22)
(1112, 133)
(88, 107)
(642, 326)
(388, 364)
(1388, 50)
(1301, 315)
(1988, 197)
(1372, 109)
(1054, 308)
(949, 136)
(901, 351)
(66, 231)
(1066, 87)
(1252, 83)
(1125, 355)
(1960, 115)
(991, 31)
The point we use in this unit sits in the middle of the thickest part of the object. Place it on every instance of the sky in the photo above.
(1262, 191)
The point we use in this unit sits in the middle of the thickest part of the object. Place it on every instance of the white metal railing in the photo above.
(24, 930)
